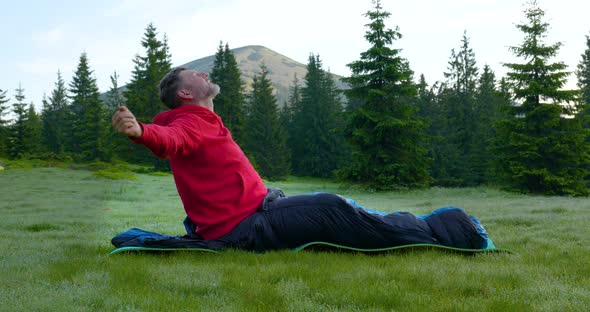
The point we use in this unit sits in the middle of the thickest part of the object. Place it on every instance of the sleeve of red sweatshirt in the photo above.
(179, 137)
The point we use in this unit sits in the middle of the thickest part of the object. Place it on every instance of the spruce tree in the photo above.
(583, 74)
(45, 138)
(541, 150)
(432, 108)
(229, 104)
(32, 135)
(490, 105)
(443, 149)
(54, 118)
(17, 140)
(114, 97)
(459, 134)
(287, 112)
(583, 107)
(386, 133)
(485, 116)
(425, 98)
(143, 93)
(438, 148)
(218, 70)
(3, 124)
(266, 140)
(116, 144)
(316, 146)
(88, 115)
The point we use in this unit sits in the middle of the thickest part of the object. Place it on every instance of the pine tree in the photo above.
(316, 146)
(293, 102)
(266, 140)
(459, 134)
(143, 91)
(229, 104)
(17, 140)
(116, 143)
(490, 105)
(114, 95)
(54, 118)
(583, 107)
(425, 98)
(583, 73)
(88, 115)
(541, 151)
(430, 105)
(287, 112)
(386, 133)
(32, 134)
(142, 94)
(439, 149)
(45, 125)
(4, 133)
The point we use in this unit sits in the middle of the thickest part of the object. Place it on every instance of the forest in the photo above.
(388, 130)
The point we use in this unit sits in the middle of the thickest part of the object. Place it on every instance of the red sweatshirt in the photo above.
(217, 184)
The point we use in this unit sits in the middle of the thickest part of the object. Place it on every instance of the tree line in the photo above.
(387, 131)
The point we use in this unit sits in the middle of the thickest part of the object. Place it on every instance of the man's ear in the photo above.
(184, 94)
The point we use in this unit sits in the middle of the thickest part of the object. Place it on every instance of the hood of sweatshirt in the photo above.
(166, 117)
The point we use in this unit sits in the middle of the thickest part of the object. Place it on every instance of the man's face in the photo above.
(198, 84)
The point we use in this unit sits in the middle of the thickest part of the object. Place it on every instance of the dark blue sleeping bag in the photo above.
(290, 222)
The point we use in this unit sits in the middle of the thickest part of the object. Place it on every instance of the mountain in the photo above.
(281, 69)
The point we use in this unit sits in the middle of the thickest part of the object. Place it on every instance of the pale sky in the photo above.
(41, 37)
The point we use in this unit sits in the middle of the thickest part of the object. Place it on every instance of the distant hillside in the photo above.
(281, 69)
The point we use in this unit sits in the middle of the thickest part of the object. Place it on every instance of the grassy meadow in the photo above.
(56, 225)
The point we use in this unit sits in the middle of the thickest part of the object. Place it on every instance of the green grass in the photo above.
(114, 175)
(56, 225)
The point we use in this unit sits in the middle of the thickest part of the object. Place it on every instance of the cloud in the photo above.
(291, 29)
(51, 36)
(43, 66)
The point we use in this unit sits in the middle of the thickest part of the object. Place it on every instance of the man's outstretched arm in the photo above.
(125, 123)
(180, 136)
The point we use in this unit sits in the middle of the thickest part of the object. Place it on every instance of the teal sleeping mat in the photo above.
(323, 246)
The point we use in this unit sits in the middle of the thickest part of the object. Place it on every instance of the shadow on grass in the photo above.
(41, 227)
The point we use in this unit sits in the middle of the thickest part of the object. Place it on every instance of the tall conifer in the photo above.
(386, 133)
(17, 140)
(266, 140)
(32, 133)
(583, 107)
(459, 134)
(88, 115)
(288, 110)
(3, 124)
(229, 104)
(143, 93)
(54, 117)
(542, 150)
(583, 73)
(116, 144)
(316, 145)
(490, 106)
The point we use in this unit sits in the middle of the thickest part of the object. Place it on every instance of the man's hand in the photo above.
(126, 124)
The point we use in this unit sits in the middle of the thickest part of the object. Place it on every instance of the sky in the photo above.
(41, 37)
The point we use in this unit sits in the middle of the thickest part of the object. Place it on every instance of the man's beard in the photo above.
(213, 90)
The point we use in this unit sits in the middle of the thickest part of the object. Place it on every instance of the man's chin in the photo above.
(214, 90)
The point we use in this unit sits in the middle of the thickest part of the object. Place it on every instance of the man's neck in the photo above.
(206, 103)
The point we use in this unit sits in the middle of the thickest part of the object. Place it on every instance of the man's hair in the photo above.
(169, 88)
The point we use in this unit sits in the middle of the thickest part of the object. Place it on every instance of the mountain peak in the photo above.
(281, 69)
